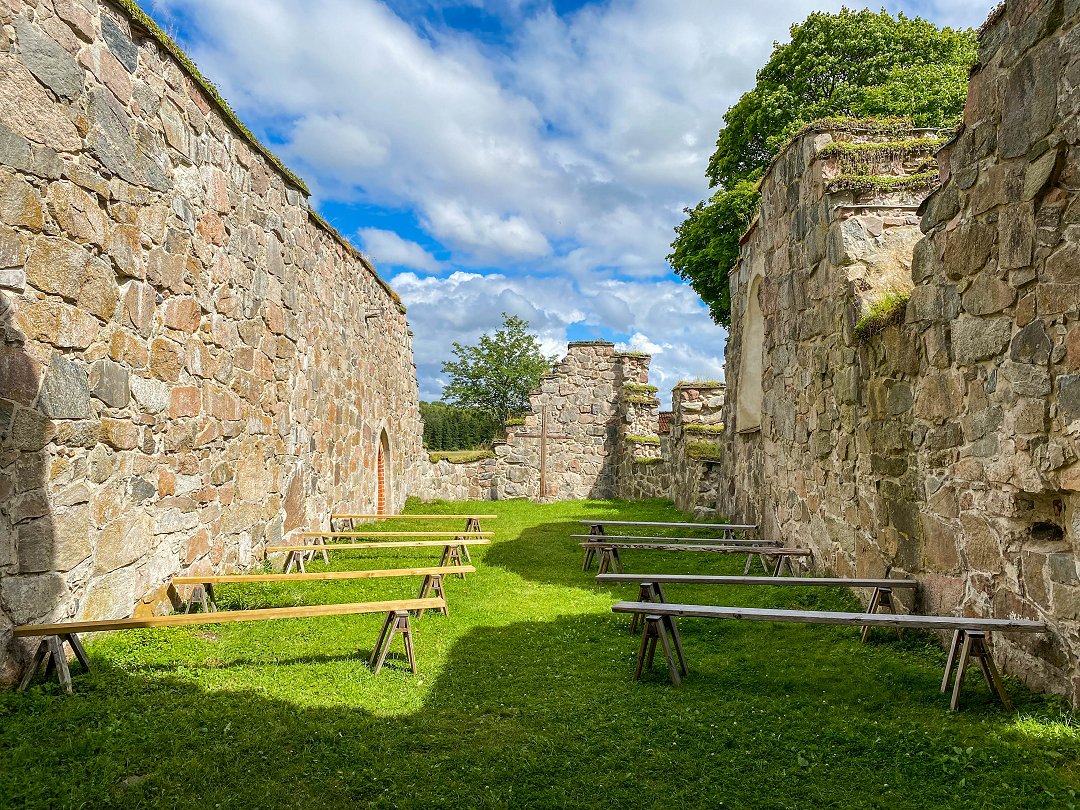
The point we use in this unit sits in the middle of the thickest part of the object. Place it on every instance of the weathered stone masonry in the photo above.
(947, 446)
(602, 439)
(191, 365)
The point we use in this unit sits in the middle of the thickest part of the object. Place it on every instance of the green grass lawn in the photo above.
(525, 699)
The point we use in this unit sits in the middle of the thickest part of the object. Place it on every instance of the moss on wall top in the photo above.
(143, 22)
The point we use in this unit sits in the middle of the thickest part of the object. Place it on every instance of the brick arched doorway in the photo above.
(383, 473)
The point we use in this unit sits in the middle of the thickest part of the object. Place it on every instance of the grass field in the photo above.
(524, 699)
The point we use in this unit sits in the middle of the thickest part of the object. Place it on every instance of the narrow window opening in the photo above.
(750, 394)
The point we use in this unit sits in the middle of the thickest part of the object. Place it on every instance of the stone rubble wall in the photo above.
(696, 449)
(603, 423)
(946, 446)
(191, 364)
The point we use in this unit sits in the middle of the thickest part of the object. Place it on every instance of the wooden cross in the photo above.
(543, 436)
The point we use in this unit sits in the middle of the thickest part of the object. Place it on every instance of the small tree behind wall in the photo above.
(497, 374)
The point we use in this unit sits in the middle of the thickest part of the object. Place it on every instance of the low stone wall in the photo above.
(192, 365)
(462, 481)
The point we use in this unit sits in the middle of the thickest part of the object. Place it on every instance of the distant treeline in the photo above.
(450, 428)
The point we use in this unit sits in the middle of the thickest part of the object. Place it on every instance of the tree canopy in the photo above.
(496, 375)
(858, 64)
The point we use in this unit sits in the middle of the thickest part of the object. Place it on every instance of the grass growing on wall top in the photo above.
(884, 312)
(882, 182)
(525, 699)
(460, 456)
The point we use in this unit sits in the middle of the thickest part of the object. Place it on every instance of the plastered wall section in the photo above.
(191, 365)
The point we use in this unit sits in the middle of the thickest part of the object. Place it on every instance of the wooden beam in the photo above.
(695, 579)
(731, 541)
(829, 617)
(395, 544)
(741, 526)
(395, 534)
(772, 551)
(224, 579)
(224, 617)
(412, 517)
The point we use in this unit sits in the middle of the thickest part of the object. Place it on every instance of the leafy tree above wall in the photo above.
(858, 64)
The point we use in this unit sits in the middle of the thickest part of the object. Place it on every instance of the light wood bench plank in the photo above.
(466, 535)
(223, 617)
(394, 544)
(50, 650)
(412, 517)
(225, 579)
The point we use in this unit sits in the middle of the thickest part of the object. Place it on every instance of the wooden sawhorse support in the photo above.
(202, 595)
(51, 652)
(452, 556)
(433, 586)
(397, 621)
(596, 529)
(664, 630)
(970, 643)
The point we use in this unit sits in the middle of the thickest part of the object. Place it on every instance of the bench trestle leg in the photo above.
(974, 645)
(397, 621)
(881, 601)
(950, 662)
(35, 664)
(617, 561)
(658, 630)
(51, 652)
(433, 586)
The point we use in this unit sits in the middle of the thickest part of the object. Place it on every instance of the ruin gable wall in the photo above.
(192, 365)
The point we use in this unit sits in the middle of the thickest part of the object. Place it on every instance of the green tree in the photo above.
(856, 64)
(496, 375)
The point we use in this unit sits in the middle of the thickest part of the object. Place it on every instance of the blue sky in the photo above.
(522, 156)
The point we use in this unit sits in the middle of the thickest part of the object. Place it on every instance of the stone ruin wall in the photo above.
(191, 364)
(948, 445)
(604, 442)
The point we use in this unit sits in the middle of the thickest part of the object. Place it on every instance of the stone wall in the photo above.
(946, 445)
(603, 439)
(192, 365)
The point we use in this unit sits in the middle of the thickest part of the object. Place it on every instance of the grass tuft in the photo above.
(884, 312)
(704, 451)
(460, 456)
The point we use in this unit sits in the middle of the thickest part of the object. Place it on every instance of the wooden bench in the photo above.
(609, 552)
(51, 649)
(651, 587)
(320, 537)
(451, 551)
(432, 584)
(969, 635)
(472, 522)
(729, 531)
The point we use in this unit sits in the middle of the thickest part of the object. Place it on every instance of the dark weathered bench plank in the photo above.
(707, 579)
(610, 557)
(969, 634)
(624, 538)
(830, 617)
(734, 526)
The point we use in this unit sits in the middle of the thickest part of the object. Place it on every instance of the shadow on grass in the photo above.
(540, 714)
